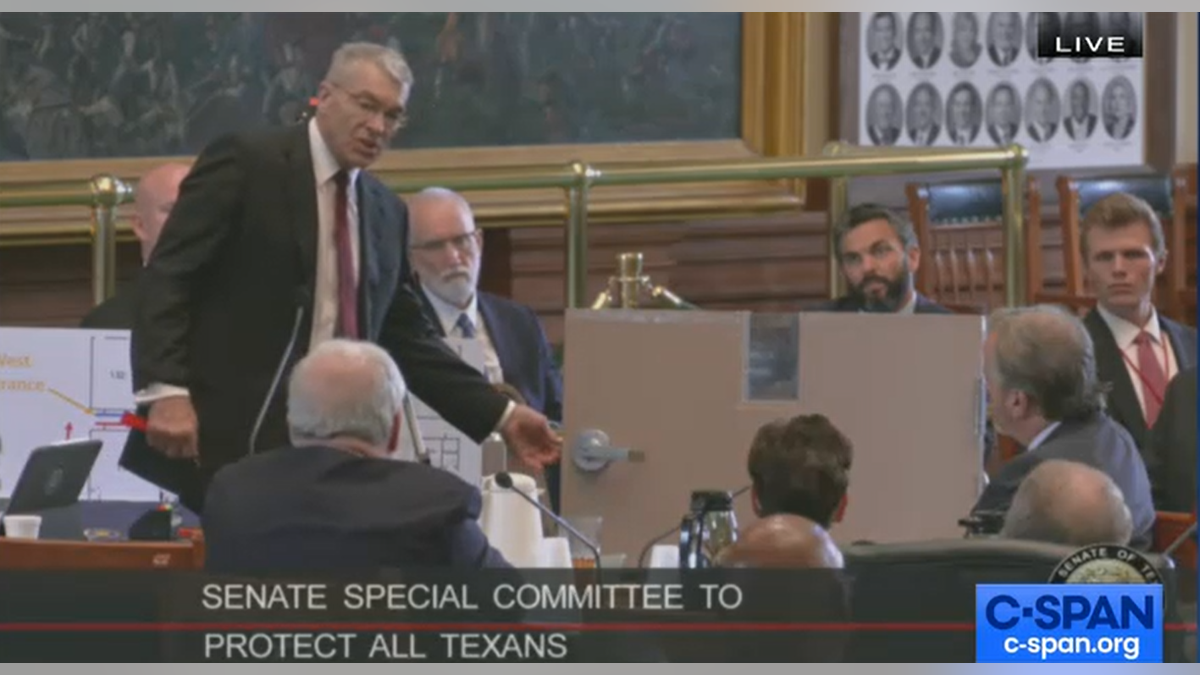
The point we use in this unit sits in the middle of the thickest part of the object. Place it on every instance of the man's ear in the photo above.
(139, 228)
(394, 437)
(914, 259)
(841, 509)
(1160, 264)
(754, 503)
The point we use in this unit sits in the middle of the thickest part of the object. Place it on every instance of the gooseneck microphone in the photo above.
(505, 480)
(303, 301)
(414, 431)
(649, 545)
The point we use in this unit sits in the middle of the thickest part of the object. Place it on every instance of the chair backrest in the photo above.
(934, 581)
(40, 554)
(1181, 241)
(1077, 195)
(960, 228)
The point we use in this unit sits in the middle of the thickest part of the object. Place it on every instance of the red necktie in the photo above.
(1154, 380)
(347, 325)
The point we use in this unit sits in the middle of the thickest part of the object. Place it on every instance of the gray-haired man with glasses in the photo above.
(279, 241)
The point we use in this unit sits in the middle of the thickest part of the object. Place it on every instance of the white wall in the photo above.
(1186, 119)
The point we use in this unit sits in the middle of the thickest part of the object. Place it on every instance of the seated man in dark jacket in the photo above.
(878, 254)
(336, 500)
(1042, 386)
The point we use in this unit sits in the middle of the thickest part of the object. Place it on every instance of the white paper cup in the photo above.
(22, 527)
(663, 556)
(555, 553)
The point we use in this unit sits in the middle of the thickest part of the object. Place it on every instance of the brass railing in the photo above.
(103, 194)
(839, 163)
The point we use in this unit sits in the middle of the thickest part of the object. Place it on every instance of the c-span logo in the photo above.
(1104, 605)
(1089, 35)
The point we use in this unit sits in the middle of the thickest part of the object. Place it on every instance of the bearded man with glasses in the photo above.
(279, 241)
(446, 251)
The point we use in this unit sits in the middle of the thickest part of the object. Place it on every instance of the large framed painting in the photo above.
(89, 93)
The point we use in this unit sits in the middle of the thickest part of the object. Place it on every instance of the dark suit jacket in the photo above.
(930, 62)
(115, 313)
(889, 136)
(848, 304)
(1002, 133)
(1098, 442)
(321, 509)
(885, 60)
(526, 359)
(930, 139)
(1036, 134)
(1110, 367)
(1170, 450)
(525, 354)
(1089, 125)
(230, 285)
(1003, 59)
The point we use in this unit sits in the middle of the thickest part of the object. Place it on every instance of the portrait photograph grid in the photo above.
(974, 79)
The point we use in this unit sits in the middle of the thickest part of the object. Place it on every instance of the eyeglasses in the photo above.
(463, 242)
(394, 118)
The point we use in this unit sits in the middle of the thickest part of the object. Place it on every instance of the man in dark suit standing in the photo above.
(1171, 447)
(279, 241)
(155, 196)
(878, 254)
(1044, 393)
(336, 499)
(1138, 351)
(446, 252)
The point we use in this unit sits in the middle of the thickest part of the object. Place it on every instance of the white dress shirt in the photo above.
(1125, 333)
(448, 316)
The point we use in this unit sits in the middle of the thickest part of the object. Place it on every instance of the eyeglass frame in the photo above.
(395, 119)
(463, 242)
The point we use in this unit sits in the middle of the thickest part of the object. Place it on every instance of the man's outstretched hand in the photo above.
(528, 435)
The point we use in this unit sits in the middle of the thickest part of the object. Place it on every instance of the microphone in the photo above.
(646, 550)
(505, 480)
(414, 432)
(303, 300)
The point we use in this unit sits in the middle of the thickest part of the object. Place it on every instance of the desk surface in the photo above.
(113, 516)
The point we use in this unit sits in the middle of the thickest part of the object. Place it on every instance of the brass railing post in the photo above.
(1014, 227)
(108, 192)
(839, 203)
(577, 221)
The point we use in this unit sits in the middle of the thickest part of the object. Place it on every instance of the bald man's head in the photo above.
(1063, 502)
(346, 392)
(153, 201)
(783, 541)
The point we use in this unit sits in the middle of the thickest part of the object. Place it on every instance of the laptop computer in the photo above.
(50, 485)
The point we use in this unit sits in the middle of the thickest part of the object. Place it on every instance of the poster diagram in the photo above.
(63, 384)
(449, 448)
